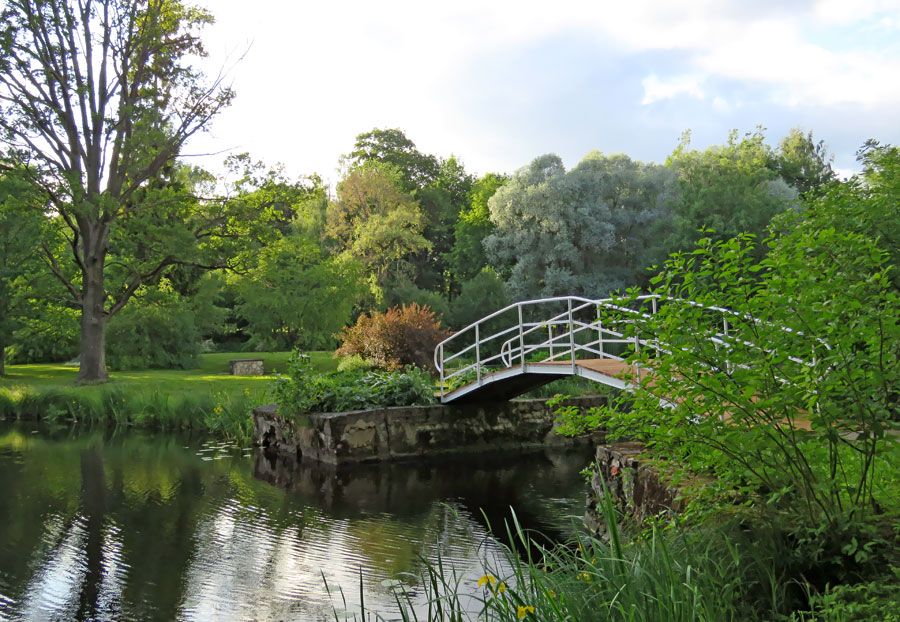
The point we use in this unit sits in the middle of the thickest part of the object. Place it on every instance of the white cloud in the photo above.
(321, 72)
(848, 12)
(721, 105)
(656, 89)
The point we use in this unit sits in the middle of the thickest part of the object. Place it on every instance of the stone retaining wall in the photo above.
(416, 431)
(635, 489)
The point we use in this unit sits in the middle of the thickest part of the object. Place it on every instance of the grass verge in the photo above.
(206, 398)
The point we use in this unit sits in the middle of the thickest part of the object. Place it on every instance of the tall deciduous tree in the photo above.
(99, 96)
(378, 223)
(440, 186)
(466, 259)
(803, 163)
(392, 147)
(729, 189)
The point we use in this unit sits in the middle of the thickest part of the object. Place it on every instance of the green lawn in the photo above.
(211, 375)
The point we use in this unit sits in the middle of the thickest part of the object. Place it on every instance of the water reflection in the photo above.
(102, 526)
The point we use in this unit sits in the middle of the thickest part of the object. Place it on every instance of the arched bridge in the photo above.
(531, 343)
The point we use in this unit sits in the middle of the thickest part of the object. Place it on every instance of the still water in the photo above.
(102, 525)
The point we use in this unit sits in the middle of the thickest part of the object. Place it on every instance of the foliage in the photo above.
(405, 335)
(303, 390)
(165, 329)
(223, 415)
(875, 601)
(441, 202)
(439, 186)
(20, 232)
(375, 222)
(49, 334)
(482, 294)
(729, 189)
(98, 98)
(792, 403)
(666, 576)
(392, 147)
(467, 257)
(804, 164)
(588, 231)
(866, 204)
(405, 292)
(355, 363)
(286, 204)
(295, 296)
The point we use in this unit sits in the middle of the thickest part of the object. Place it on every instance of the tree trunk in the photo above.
(93, 316)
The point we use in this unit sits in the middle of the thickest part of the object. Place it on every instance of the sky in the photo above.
(498, 83)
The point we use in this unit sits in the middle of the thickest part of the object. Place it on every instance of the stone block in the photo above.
(247, 367)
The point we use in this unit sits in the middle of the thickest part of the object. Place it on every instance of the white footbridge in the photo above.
(531, 343)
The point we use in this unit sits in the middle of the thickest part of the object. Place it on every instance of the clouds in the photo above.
(500, 82)
(656, 89)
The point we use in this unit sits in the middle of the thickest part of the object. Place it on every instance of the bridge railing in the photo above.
(538, 331)
(568, 328)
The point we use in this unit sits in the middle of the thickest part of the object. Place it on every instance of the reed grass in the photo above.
(666, 575)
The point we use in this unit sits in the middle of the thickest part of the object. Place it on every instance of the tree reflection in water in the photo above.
(111, 526)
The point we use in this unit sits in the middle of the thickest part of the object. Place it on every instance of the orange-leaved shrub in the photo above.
(403, 335)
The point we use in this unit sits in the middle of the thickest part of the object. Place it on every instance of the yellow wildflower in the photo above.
(501, 588)
(524, 611)
(551, 593)
(488, 580)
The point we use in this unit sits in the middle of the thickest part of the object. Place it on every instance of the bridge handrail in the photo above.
(509, 350)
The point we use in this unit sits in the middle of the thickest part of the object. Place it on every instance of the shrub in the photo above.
(50, 336)
(164, 330)
(405, 335)
(303, 390)
(354, 363)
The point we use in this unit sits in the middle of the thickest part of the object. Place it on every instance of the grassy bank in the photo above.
(206, 398)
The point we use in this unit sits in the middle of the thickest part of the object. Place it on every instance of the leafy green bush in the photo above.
(303, 390)
(355, 363)
(49, 336)
(162, 330)
(401, 336)
(877, 601)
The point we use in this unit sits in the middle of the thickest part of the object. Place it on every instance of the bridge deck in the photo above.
(512, 381)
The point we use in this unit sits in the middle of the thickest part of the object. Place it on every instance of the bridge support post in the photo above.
(571, 337)
(477, 355)
(521, 340)
(600, 332)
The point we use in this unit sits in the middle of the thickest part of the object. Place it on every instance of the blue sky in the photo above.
(498, 83)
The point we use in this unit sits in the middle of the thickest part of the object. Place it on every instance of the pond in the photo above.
(112, 525)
